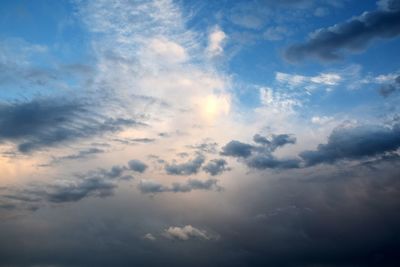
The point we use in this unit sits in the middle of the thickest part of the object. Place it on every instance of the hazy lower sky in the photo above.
(199, 133)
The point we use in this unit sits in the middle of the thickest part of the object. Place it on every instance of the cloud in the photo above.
(353, 35)
(278, 102)
(75, 191)
(150, 237)
(96, 183)
(259, 156)
(262, 162)
(328, 79)
(237, 149)
(216, 41)
(216, 166)
(389, 88)
(186, 233)
(152, 187)
(40, 123)
(275, 141)
(137, 165)
(354, 143)
(187, 168)
(389, 5)
(82, 154)
(164, 50)
(206, 147)
(321, 120)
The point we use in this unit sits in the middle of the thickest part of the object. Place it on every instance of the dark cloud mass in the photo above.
(186, 168)
(237, 149)
(260, 156)
(354, 143)
(137, 165)
(42, 123)
(353, 35)
(216, 166)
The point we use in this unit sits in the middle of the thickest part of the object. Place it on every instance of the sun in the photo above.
(213, 106)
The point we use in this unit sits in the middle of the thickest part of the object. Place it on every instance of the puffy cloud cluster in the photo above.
(186, 168)
(259, 156)
(216, 166)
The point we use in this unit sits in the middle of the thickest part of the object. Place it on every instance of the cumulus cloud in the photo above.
(216, 41)
(353, 35)
(137, 165)
(186, 168)
(216, 166)
(187, 232)
(259, 156)
(354, 143)
(152, 187)
(40, 123)
(237, 149)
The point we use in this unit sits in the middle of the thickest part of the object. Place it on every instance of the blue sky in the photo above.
(199, 133)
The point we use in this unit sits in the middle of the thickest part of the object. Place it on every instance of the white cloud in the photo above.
(278, 102)
(321, 120)
(187, 232)
(329, 79)
(149, 236)
(169, 51)
(216, 41)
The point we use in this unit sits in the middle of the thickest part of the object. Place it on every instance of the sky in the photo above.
(199, 133)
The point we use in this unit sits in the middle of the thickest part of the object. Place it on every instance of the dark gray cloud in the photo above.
(137, 165)
(237, 149)
(268, 161)
(40, 123)
(216, 166)
(134, 141)
(387, 89)
(353, 35)
(259, 156)
(275, 141)
(72, 192)
(153, 187)
(97, 183)
(187, 168)
(354, 143)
